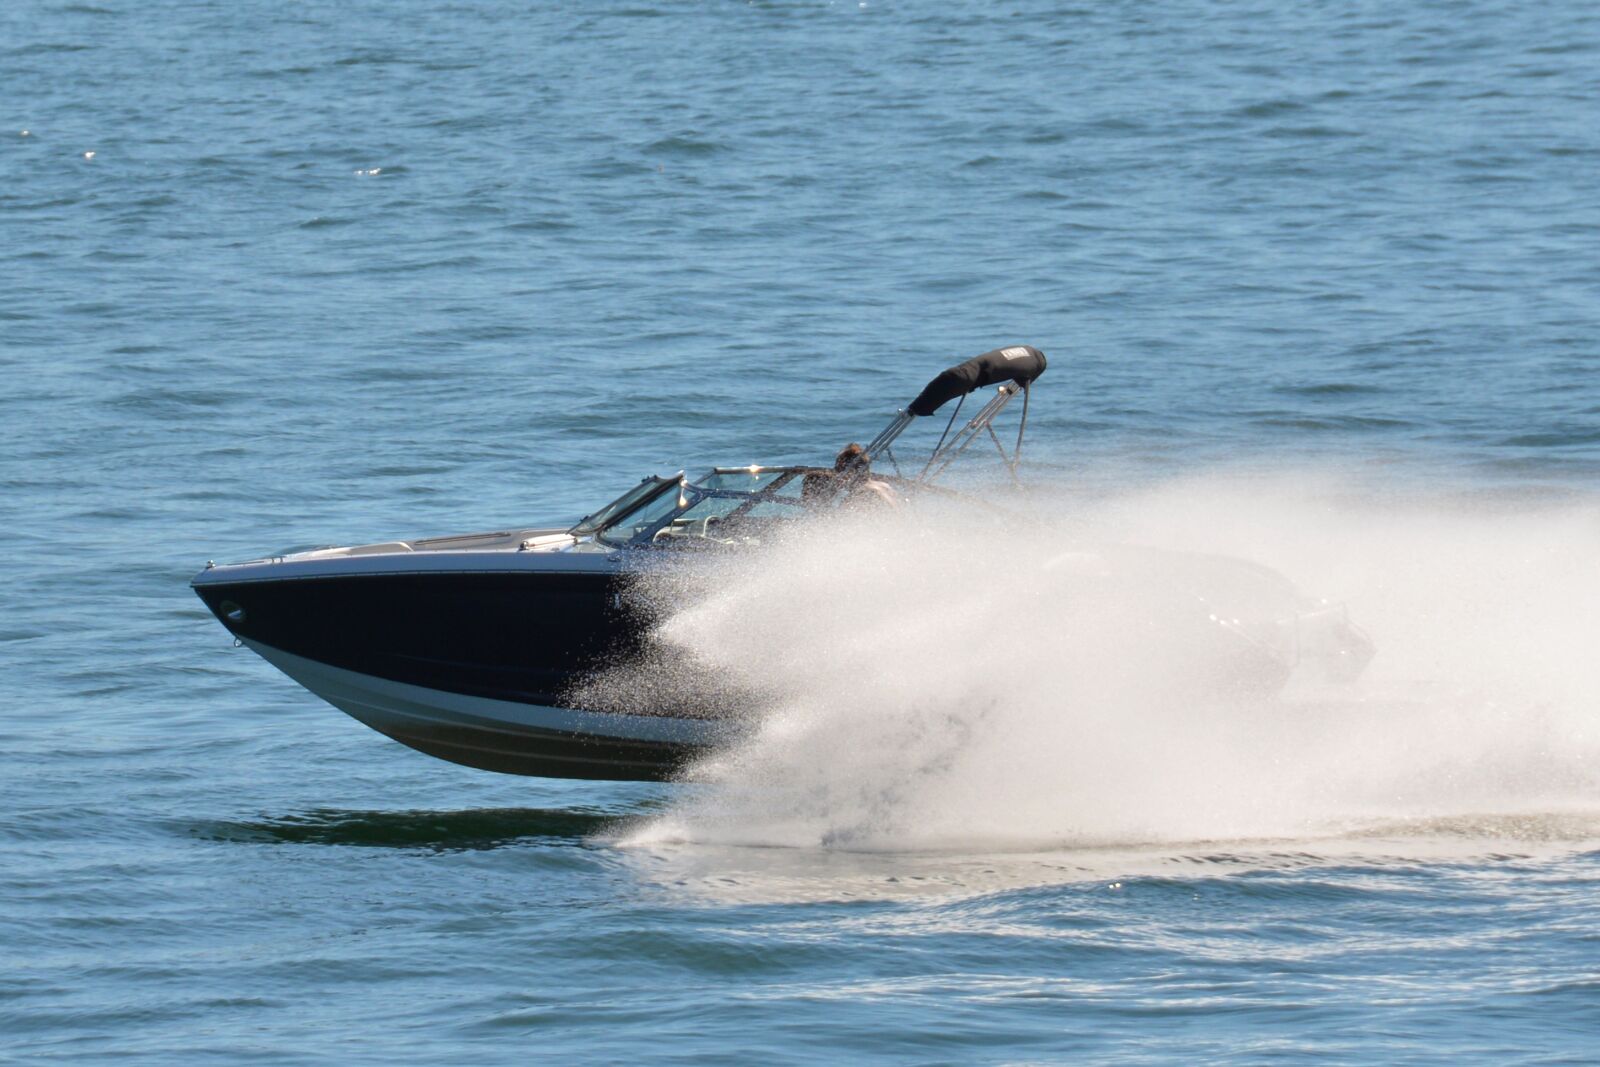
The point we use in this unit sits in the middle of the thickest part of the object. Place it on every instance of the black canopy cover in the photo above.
(1019, 363)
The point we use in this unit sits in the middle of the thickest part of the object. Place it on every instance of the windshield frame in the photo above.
(652, 486)
(690, 494)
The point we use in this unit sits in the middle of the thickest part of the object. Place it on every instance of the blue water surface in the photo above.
(282, 274)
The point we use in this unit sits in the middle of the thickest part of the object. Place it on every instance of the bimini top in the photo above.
(1019, 363)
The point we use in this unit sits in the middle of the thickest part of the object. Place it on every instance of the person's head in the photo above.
(851, 456)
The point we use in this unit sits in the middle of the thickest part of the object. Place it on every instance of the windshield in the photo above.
(726, 506)
(624, 503)
(742, 479)
(722, 517)
(648, 515)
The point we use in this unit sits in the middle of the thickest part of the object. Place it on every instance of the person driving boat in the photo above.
(852, 475)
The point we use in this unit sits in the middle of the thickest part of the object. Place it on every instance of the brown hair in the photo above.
(850, 455)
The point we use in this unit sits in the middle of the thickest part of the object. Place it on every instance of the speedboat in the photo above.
(476, 648)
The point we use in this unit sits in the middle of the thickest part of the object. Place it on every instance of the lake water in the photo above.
(1319, 289)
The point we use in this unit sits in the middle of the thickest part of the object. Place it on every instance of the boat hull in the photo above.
(508, 736)
(522, 636)
(469, 658)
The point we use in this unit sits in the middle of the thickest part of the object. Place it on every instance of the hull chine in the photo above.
(507, 736)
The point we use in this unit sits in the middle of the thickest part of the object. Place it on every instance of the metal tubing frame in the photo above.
(980, 423)
(951, 446)
(886, 437)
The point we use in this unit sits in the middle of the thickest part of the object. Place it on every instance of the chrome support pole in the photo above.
(901, 420)
(969, 433)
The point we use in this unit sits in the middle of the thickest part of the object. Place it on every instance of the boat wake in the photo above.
(958, 683)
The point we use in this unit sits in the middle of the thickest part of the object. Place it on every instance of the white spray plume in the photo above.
(949, 679)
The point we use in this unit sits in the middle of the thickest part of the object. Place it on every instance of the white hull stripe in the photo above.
(391, 707)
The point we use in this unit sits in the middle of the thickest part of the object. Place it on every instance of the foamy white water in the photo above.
(950, 679)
